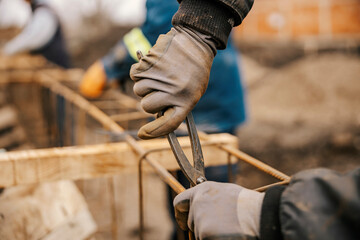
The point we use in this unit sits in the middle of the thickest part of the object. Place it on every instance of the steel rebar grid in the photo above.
(108, 123)
(264, 188)
(103, 119)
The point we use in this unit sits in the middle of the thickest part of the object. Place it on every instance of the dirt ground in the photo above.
(303, 114)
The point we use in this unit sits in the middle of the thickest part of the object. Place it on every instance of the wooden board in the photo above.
(51, 211)
(84, 162)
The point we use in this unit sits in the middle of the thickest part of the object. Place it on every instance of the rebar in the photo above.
(249, 159)
(111, 125)
(264, 188)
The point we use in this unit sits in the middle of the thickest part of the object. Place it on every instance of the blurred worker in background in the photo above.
(42, 35)
(221, 109)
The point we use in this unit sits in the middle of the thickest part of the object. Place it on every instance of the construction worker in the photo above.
(42, 35)
(172, 76)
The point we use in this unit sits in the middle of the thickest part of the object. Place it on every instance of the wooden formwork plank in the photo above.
(7, 171)
(31, 75)
(84, 162)
(73, 75)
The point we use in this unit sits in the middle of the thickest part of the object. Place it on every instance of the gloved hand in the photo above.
(93, 81)
(219, 211)
(172, 77)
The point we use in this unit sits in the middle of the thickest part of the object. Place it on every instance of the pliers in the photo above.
(195, 174)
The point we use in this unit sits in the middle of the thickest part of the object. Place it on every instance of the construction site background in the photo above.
(301, 67)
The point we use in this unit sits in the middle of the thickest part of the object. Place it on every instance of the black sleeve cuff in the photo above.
(208, 17)
(270, 228)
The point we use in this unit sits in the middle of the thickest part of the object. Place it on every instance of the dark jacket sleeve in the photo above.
(213, 17)
(317, 204)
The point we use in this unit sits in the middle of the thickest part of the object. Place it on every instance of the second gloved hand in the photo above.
(220, 211)
(172, 77)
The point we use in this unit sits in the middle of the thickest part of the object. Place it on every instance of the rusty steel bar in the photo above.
(264, 188)
(107, 122)
(141, 201)
(114, 230)
(256, 163)
(141, 191)
(249, 159)
(122, 117)
(230, 172)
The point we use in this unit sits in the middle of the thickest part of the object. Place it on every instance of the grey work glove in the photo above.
(219, 211)
(172, 77)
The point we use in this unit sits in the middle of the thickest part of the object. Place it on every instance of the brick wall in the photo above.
(301, 20)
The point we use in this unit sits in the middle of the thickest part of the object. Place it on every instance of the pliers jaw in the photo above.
(195, 174)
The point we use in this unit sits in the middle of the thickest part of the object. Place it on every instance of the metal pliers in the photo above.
(195, 174)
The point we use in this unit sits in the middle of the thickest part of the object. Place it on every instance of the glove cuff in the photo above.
(249, 205)
(208, 17)
(270, 228)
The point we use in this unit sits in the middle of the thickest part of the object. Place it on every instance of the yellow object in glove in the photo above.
(93, 81)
